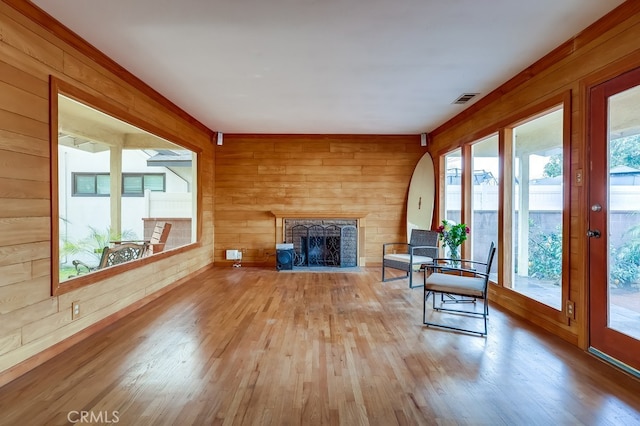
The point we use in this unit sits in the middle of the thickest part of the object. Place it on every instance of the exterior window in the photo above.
(452, 186)
(91, 184)
(134, 184)
(484, 203)
(538, 208)
(154, 182)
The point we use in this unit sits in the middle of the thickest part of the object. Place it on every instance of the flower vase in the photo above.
(454, 253)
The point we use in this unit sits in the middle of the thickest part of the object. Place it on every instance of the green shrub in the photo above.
(545, 256)
(94, 242)
(625, 260)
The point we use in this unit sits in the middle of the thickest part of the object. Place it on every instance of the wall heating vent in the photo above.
(465, 97)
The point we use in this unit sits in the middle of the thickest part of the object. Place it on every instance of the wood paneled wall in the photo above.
(253, 175)
(32, 323)
(605, 49)
(258, 174)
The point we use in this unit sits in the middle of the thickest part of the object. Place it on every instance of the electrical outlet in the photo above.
(571, 309)
(75, 310)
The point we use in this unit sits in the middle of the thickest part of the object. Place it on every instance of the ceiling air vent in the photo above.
(465, 97)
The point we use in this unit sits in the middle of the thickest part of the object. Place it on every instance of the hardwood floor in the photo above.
(257, 347)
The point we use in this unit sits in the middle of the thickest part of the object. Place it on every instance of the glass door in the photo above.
(614, 221)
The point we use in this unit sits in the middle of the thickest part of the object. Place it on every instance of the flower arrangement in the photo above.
(452, 236)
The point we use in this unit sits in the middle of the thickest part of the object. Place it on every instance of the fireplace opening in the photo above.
(324, 242)
(319, 251)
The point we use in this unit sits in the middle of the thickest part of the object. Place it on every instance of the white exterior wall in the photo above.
(542, 198)
(81, 212)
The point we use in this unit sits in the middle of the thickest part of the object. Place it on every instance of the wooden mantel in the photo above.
(358, 216)
(319, 215)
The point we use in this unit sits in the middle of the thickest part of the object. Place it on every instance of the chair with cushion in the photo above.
(421, 249)
(458, 281)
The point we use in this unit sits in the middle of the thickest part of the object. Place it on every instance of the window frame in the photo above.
(505, 152)
(74, 184)
(143, 175)
(481, 256)
(446, 182)
(504, 129)
(510, 282)
(59, 87)
(75, 192)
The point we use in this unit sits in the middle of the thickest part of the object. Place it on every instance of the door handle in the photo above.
(593, 233)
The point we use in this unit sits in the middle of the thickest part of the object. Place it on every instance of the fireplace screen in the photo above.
(323, 242)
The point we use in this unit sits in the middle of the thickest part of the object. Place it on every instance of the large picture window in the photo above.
(116, 183)
(512, 191)
(538, 208)
(484, 202)
(452, 186)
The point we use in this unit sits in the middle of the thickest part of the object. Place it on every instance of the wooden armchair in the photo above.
(158, 238)
(157, 241)
(421, 249)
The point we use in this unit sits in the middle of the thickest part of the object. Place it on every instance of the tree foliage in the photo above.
(622, 152)
(553, 167)
(545, 254)
(625, 152)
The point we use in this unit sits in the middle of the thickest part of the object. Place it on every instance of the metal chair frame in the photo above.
(421, 249)
(120, 253)
(458, 288)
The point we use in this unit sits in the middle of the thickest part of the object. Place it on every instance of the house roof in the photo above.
(325, 67)
(167, 158)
